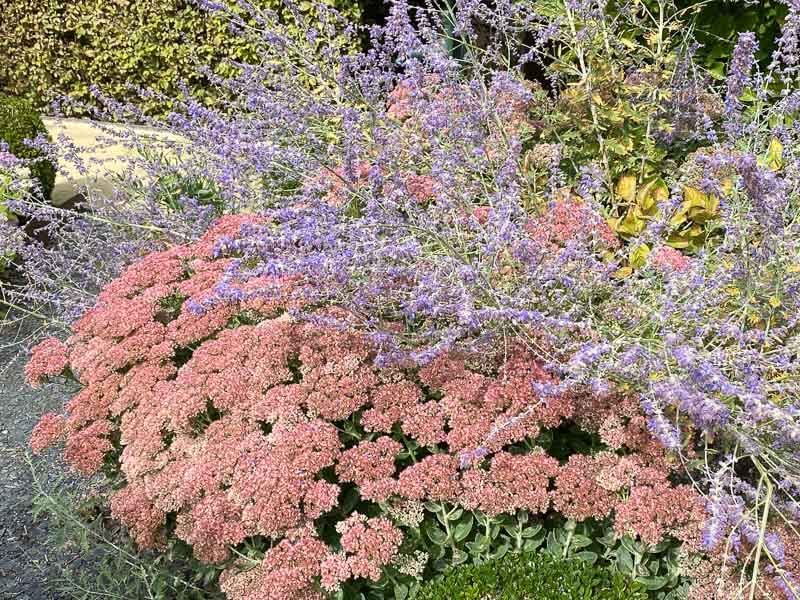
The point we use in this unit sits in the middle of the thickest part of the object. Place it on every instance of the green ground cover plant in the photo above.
(529, 576)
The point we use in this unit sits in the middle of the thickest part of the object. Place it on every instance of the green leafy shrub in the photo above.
(531, 576)
(19, 121)
(52, 48)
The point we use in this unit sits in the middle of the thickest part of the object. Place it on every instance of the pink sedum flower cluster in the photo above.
(48, 359)
(243, 424)
(340, 185)
(48, 431)
(287, 571)
(367, 545)
(668, 260)
(570, 219)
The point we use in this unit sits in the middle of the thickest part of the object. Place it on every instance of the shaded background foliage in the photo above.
(719, 23)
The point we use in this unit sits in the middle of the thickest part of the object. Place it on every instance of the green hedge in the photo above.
(50, 48)
(19, 121)
(531, 577)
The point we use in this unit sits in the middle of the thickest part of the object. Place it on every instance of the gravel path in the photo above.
(26, 562)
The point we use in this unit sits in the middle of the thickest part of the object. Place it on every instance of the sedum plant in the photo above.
(282, 455)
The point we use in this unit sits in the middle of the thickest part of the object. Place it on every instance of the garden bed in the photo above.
(386, 318)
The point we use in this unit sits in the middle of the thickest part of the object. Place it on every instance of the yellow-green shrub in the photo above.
(51, 48)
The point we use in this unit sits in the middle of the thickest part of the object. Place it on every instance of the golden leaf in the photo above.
(678, 241)
(679, 218)
(775, 154)
(695, 231)
(754, 319)
(692, 197)
(626, 188)
(638, 257)
(727, 185)
(651, 193)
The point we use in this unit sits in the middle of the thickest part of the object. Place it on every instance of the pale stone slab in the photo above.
(102, 159)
